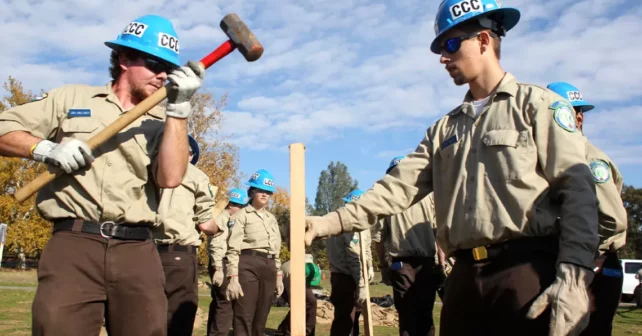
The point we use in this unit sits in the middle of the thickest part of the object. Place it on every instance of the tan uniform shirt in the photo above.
(410, 233)
(182, 208)
(612, 217)
(250, 229)
(118, 187)
(508, 173)
(217, 246)
(344, 254)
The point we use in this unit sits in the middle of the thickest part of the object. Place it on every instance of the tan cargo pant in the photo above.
(83, 278)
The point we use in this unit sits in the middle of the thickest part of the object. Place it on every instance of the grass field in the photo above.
(15, 309)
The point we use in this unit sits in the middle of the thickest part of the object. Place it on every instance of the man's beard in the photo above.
(459, 79)
(139, 94)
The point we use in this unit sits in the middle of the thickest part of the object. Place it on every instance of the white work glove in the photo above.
(217, 278)
(279, 284)
(370, 274)
(361, 295)
(186, 81)
(321, 227)
(69, 156)
(234, 290)
(569, 301)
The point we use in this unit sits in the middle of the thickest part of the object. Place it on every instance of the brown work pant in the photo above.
(219, 318)
(414, 289)
(83, 278)
(491, 297)
(606, 289)
(181, 289)
(310, 313)
(343, 297)
(257, 276)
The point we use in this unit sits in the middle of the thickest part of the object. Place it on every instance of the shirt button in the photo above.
(109, 164)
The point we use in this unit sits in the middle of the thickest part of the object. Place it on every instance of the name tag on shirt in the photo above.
(450, 141)
(72, 113)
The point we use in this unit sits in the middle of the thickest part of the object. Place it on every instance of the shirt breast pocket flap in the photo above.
(508, 138)
(80, 128)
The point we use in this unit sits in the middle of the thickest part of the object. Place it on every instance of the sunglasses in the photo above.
(453, 44)
(157, 66)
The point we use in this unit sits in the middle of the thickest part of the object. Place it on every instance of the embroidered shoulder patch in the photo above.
(601, 171)
(355, 238)
(564, 116)
(230, 223)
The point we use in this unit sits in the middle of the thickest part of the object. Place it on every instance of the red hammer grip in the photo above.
(220, 52)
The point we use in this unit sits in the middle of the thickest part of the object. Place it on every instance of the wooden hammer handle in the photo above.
(119, 124)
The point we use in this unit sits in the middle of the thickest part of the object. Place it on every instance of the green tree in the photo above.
(335, 183)
(632, 198)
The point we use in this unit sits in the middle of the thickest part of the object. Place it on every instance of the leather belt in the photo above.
(107, 229)
(177, 248)
(510, 247)
(257, 254)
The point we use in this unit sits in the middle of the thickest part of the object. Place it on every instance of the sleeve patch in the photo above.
(601, 171)
(355, 238)
(564, 116)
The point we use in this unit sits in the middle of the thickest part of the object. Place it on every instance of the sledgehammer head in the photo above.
(242, 37)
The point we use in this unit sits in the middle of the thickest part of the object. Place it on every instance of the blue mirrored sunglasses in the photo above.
(453, 44)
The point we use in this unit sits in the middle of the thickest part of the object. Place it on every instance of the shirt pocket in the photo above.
(79, 128)
(504, 154)
(447, 156)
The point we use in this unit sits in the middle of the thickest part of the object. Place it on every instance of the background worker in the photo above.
(312, 278)
(347, 283)
(414, 275)
(101, 261)
(184, 212)
(612, 219)
(219, 319)
(514, 197)
(253, 264)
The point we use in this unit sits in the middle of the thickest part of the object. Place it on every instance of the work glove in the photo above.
(361, 295)
(386, 276)
(217, 278)
(70, 155)
(321, 227)
(569, 301)
(234, 290)
(186, 81)
(279, 284)
(370, 274)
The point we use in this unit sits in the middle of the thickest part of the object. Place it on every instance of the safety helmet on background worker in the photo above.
(263, 180)
(353, 196)
(151, 34)
(237, 196)
(572, 94)
(394, 162)
(490, 14)
(193, 145)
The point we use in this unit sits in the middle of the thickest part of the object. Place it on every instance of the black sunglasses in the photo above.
(453, 44)
(157, 66)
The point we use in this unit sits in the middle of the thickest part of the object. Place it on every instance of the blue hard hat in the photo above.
(572, 94)
(263, 180)
(394, 163)
(193, 145)
(493, 16)
(353, 196)
(151, 34)
(237, 196)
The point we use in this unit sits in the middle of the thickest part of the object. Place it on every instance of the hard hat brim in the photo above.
(116, 45)
(510, 19)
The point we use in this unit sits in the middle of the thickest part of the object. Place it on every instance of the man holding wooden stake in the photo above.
(101, 260)
(514, 197)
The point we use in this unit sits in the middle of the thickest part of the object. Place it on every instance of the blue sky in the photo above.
(352, 79)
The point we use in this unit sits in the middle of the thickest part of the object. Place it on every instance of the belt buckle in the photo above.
(480, 253)
(110, 226)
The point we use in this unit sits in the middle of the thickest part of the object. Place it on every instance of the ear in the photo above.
(485, 41)
(579, 118)
(124, 62)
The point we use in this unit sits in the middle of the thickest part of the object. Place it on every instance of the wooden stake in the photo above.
(366, 310)
(297, 234)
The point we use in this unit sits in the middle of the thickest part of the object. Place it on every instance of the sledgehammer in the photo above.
(241, 38)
